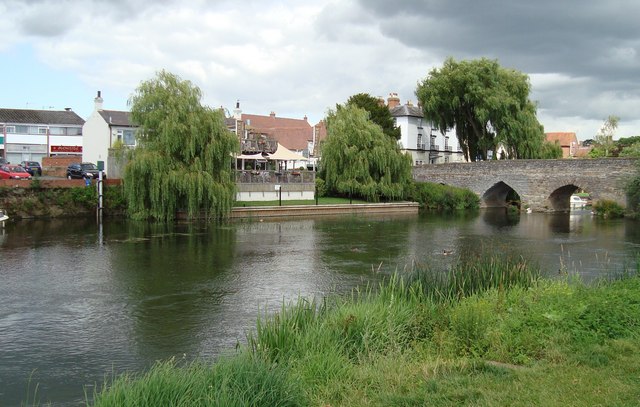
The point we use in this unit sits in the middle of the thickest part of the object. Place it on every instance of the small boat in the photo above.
(3, 216)
(577, 202)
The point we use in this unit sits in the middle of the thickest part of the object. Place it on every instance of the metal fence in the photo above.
(275, 177)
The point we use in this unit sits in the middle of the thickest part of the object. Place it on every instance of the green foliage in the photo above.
(114, 199)
(487, 105)
(468, 335)
(633, 194)
(35, 183)
(608, 209)
(550, 150)
(443, 197)
(359, 160)
(184, 157)
(84, 197)
(632, 150)
(604, 145)
(379, 113)
(239, 381)
(321, 187)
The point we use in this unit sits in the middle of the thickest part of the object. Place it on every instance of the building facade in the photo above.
(419, 139)
(103, 130)
(30, 135)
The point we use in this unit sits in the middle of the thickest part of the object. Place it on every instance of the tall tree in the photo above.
(183, 160)
(379, 113)
(486, 104)
(359, 160)
(603, 141)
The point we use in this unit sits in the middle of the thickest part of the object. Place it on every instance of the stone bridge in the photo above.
(543, 185)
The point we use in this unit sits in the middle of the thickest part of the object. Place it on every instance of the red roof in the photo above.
(291, 133)
(563, 138)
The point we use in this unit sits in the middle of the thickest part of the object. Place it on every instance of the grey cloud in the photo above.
(592, 39)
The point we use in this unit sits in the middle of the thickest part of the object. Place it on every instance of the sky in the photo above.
(301, 58)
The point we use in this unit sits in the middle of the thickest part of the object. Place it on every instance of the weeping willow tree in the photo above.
(183, 160)
(359, 160)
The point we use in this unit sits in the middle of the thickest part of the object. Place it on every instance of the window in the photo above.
(10, 129)
(419, 162)
(56, 131)
(22, 129)
(127, 137)
(74, 131)
(42, 130)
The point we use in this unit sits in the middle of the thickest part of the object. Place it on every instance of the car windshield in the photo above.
(89, 166)
(18, 169)
(32, 163)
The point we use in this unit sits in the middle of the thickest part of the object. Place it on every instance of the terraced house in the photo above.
(30, 135)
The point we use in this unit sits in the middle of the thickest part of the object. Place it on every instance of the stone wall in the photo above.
(543, 185)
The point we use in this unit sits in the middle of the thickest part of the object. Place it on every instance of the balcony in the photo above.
(434, 147)
(422, 146)
(448, 148)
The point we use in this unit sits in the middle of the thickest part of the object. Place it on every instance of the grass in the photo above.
(321, 201)
(487, 332)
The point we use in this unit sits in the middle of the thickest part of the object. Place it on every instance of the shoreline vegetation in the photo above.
(488, 331)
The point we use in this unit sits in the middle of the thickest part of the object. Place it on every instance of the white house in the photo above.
(102, 130)
(30, 135)
(425, 144)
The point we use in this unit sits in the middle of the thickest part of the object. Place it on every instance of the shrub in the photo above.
(608, 209)
(321, 187)
(443, 197)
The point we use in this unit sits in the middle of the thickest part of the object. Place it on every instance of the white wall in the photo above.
(97, 139)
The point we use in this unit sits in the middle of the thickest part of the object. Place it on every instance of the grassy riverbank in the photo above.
(489, 332)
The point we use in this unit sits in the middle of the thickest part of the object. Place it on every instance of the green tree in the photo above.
(379, 113)
(183, 160)
(604, 145)
(486, 104)
(359, 160)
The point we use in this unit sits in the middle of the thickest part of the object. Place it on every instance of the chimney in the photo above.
(393, 100)
(272, 114)
(98, 101)
(305, 117)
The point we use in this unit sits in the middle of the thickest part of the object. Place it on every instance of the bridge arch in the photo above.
(559, 199)
(496, 196)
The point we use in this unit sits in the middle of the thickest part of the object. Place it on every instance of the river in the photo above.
(80, 302)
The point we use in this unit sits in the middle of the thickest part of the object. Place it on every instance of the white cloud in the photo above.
(301, 58)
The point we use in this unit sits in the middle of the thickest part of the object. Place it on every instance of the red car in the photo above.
(13, 172)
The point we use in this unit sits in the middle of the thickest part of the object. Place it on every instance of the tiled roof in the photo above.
(117, 117)
(47, 117)
(291, 133)
(563, 138)
(406, 110)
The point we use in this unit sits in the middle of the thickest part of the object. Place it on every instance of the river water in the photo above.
(80, 302)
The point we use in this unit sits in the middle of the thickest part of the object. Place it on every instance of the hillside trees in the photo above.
(359, 160)
(183, 160)
(487, 105)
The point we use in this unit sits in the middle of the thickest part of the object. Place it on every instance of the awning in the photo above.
(284, 154)
(257, 156)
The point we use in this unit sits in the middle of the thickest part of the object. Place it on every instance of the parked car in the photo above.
(83, 170)
(9, 171)
(3, 161)
(32, 167)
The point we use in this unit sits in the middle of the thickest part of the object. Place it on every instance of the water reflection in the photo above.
(79, 301)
